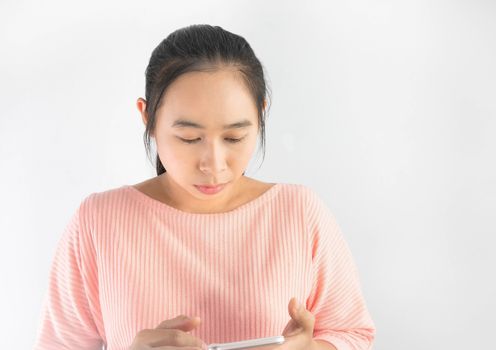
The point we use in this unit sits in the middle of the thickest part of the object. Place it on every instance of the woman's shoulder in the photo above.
(311, 201)
(257, 188)
(289, 194)
(108, 197)
(297, 189)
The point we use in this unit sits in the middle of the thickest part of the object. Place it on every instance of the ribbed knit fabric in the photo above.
(127, 262)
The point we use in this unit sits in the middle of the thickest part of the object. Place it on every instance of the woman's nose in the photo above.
(213, 159)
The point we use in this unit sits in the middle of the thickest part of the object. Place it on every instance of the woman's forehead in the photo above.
(182, 123)
(222, 89)
(208, 99)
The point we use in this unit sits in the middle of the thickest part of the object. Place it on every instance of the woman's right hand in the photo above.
(170, 334)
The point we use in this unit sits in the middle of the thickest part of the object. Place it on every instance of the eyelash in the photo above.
(231, 140)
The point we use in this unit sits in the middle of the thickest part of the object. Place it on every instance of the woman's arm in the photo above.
(336, 300)
(69, 318)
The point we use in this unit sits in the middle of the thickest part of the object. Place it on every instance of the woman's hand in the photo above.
(170, 334)
(299, 330)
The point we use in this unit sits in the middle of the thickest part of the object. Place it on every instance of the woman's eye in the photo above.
(189, 141)
(228, 139)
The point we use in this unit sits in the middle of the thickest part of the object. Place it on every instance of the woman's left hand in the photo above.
(299, 330)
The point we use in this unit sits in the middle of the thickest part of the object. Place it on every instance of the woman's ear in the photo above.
(141, 104)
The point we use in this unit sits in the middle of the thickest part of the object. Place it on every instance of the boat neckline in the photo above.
(146, 199)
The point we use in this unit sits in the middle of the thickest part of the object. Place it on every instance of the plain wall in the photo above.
(387, 109)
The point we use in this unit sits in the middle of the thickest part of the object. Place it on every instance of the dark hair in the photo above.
(201, 47)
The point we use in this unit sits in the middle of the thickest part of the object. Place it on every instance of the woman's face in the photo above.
(206, 132)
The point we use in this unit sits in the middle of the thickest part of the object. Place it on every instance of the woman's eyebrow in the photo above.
(183, 123)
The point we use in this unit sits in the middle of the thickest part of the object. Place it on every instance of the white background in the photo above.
(386, 108)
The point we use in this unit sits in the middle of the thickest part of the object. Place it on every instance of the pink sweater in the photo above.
(127, 262)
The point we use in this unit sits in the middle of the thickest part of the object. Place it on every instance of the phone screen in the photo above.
(258, 343)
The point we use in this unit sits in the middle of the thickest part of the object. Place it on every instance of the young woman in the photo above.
(137, 263)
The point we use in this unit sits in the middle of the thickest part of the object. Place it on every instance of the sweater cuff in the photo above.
(338, 342)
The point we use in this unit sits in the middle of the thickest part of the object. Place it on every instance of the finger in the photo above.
(181, 322)
(168, 337)
(291, 329)
(301, 315)
(294, 306)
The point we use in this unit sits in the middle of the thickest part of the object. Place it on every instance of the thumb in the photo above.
(182, 322)
(301, 318)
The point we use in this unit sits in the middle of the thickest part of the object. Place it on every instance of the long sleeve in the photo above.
(336, 300)
(69, 318)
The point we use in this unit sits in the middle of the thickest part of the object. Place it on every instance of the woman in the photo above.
(137, 263)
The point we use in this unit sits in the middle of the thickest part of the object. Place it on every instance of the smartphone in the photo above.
(247, 344)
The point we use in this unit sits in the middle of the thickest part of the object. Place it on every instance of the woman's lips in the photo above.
(210, 189)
